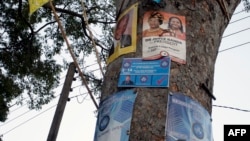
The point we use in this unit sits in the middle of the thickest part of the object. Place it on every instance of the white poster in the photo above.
(164, 35)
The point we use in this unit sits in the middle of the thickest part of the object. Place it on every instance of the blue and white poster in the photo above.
(136, 72)
(114, 117)
(187, 120)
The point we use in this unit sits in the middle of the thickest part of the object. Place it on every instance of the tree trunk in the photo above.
(206, 21)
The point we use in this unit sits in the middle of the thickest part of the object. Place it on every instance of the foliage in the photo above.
(247, 5)
(28, 46)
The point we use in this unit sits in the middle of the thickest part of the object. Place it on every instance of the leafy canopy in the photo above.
(28, 46)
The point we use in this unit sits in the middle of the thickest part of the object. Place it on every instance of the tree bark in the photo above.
(206, 21)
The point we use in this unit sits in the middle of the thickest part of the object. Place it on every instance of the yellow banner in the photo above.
(124, 34)
(35, 4)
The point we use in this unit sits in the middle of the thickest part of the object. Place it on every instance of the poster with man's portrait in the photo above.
(124, 34)
(164, 34)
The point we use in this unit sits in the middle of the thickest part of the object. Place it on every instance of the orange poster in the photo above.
(164, 35)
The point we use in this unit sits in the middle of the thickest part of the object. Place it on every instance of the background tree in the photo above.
(28, 46)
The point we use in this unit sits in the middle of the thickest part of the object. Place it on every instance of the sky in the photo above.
(232, 75)
(231, 83)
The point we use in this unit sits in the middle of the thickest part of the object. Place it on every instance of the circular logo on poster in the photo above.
(164, 63)
(126, 64)
(144, 79)
(104, 123)
(198, 130)
(164, 53)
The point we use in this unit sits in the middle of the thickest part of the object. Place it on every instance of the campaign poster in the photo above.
(164, 34)
(124, 34)
(187, 120)
(136, 72)
(114, 117)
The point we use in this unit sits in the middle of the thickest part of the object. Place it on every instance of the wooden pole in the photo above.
(61, 104)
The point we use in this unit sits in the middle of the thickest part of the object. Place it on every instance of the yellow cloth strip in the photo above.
(36, 4)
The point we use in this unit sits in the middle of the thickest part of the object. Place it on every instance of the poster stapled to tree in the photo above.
(136, 72)
(124, 33)
(164, 35)
(187, 120)
(114, 117)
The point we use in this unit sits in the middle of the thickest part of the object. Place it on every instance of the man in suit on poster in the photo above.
(121, 40)
(120, 37)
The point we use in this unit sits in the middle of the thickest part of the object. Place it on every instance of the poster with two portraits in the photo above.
(163, 34)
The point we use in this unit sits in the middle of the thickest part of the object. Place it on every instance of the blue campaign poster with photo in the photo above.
(114, 117)
(187, 120)
(136, 72)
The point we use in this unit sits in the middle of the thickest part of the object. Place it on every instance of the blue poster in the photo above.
(187, 120)
(136, 72)
(114, 117)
